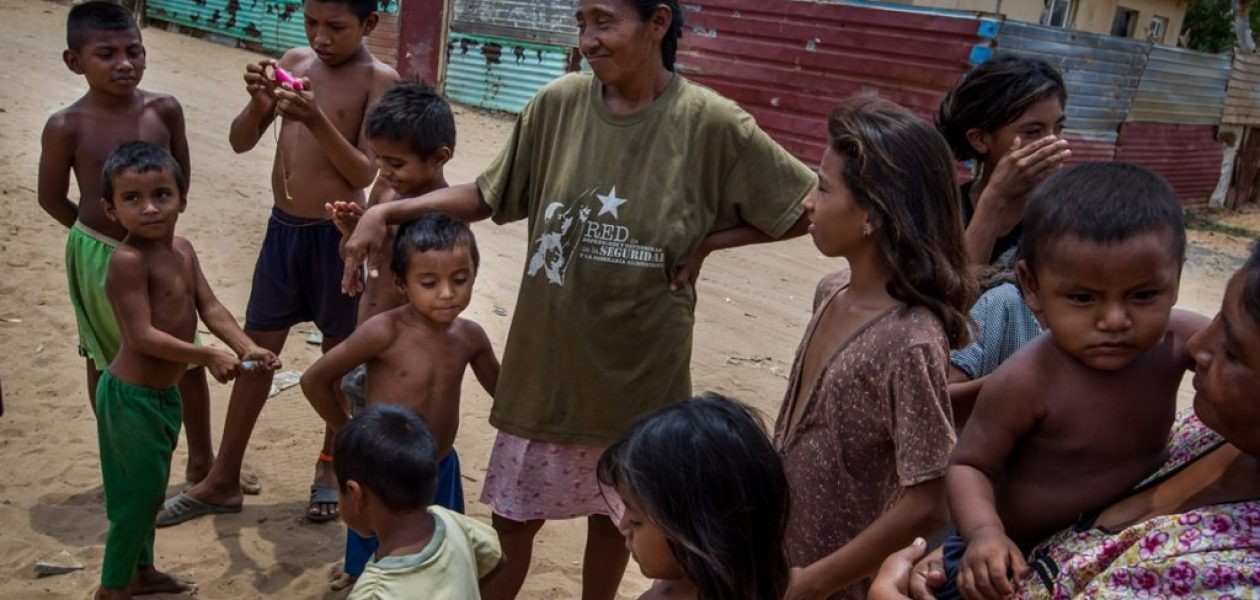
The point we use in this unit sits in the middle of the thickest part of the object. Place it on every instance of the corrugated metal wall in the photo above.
(787, 63)
(270, 25)
(1188, 156)
(1242, 101)
(1101, 73)
(499, 73)
(1181, 86)
(545, 21)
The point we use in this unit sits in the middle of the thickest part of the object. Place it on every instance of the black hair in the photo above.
(98, 15)
(433, 231)
(669, 44)
(141, 157)
(1101, 202)
(390, 450)
(995, 94)
(361, 9)
(413, 113)
(1251, 284)
(901, 173)
(704, 471)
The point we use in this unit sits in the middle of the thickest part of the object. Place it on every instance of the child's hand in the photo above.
(257, 358)
(345, 215)
(1024, 167)
(223, 366)
(260, 87)
(991, 567)
(295, 105)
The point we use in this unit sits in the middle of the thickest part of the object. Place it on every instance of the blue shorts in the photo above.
(298, 278)
(450, 495)
(955, 547)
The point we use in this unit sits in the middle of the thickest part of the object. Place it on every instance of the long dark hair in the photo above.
(900, 171)
(669, 45)
(995, 94)
(704, 471)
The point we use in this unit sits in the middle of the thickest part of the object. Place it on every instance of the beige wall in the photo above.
(1094, 16)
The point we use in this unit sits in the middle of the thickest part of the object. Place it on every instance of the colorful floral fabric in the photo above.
(1211, 552)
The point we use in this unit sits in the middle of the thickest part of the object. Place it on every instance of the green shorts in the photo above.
(87, 263)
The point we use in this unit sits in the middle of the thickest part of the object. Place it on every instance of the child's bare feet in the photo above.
(149, 580)
(338, 579)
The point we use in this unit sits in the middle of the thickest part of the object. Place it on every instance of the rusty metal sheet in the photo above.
(1182, 86)
(499, 73)
(1101, 71)
(1188, 156)
(1086, 148)
(543, 21)
(789, 62)
(383, 43)
(270, 25)
(1242, 98)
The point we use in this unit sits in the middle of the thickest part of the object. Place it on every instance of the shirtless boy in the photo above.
(1078, 417)
(103, 45)
(416, 354)
(157, 291)
(412, 130)
(322, 157)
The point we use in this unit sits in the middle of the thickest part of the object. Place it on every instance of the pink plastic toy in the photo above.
(281, 77)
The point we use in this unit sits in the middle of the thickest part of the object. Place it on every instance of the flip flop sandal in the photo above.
(322, 494)
(183, 507)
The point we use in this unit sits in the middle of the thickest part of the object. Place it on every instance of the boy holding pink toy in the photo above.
(322, 157)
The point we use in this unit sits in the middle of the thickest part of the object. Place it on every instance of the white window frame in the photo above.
(1067, 14)
(1162, 23)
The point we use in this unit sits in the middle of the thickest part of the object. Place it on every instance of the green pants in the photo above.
(138, 428)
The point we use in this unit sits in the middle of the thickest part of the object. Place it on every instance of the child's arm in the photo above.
(248, 127)
(127, 286)
(484, 363)
(963, 391)
(735, 237)
(1185, 324)
(357, 164)
(221, 322)
(1005, 411)
(920, 511)
(55, 162)
(173, 115)
(322, 378)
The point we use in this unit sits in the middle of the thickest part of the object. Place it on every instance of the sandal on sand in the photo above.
(182, 507)
(322, 493)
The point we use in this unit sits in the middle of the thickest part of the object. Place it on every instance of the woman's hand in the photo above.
(689, 272)
(363, 244)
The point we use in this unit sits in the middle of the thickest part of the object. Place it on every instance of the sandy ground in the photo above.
(754, 304)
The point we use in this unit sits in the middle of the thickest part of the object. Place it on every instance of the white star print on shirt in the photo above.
(610, 202)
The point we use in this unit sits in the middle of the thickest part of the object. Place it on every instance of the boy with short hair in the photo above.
(412, 130)
(322, 157)
(415, 354)
(1078, 417)
(157, 292)
(103, 44)
(387, 473)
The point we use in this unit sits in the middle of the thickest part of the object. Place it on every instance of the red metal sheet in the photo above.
(1088, 150)
(422, 39)
(788, 63)
(1188, 156)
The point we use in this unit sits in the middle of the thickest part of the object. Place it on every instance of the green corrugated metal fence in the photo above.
(275, 25)
(499, 73)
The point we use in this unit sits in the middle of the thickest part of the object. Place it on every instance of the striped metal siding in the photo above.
(1182, 86)
(788, 62)
(541, 21)
(271, 25)
(1101, 72)
(1242, 100)
(383, 43)
(1188, 156)
(499, 73)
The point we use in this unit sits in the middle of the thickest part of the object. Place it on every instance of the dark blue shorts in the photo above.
(955, 547)
(298, 278)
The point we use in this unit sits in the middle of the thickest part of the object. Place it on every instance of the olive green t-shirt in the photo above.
(615, 204)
